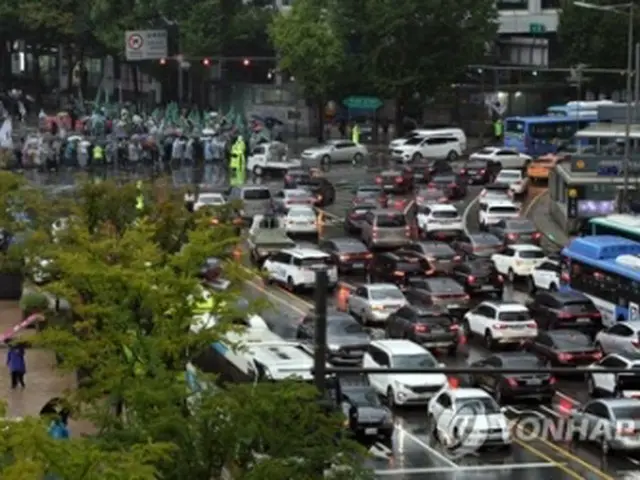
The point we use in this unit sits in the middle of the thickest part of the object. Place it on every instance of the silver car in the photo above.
(255, 200)
(612, 423)
(385, 228)
(374, 302)
(285, 199)
(622, 338)
(336, 151)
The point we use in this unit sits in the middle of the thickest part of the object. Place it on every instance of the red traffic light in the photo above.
(163, 61)
(246, 62)
(206, 62)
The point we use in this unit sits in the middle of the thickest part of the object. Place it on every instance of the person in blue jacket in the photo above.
(17, 365)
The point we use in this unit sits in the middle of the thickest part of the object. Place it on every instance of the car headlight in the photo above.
(333, 347)
(401, 386)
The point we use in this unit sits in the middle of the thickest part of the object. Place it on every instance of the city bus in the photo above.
(580, 109)
(618, 224)
(537, 136)
(606, 269)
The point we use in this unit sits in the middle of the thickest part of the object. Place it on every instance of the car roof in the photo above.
(398, 346)
(525, 247)
(387, 211)
(506, 306)
(484, 236)
(510, 170)
(443, 206)
(390, 172)
(305, 208)
(500, 203)
(572, 295)
(302, 252)
(246, 188)
(291, 191)
(435, 245)
(381, 286)
(460, 393)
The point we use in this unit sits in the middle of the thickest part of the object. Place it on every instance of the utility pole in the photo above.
(320, 350)
(627, 130)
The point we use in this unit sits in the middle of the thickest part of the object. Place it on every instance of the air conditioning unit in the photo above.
(632, 261)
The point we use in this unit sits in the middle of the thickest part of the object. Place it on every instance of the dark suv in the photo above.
(554, 310)
(479, 276)
(399, 267)
(432, 327)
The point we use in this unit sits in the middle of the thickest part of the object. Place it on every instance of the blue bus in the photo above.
(606, 269)
(538, 136)
(580, 109)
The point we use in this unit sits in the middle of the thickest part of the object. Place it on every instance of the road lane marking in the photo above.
(466, 212)
(546, 457)
(428, 448)
(485, 468)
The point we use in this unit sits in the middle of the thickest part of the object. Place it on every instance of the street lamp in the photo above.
(626, 9)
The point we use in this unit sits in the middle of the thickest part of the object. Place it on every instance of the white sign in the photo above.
(145, 44)
(492, 101)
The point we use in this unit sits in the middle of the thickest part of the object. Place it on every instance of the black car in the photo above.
(349, 254)
(432, 327)
(478, 245)
(516, 230)
(346, 339)
(395, 181)
(479, 172)
(564, 348)
(321, 188)
(440, 292)
(479, 276)
(369, 194)
(429, 195)
(355, 217)
(424, 170)
(553, 310)
(439, 254)
(398, 267)
(365, 413)
(540, 386)
(454, 185)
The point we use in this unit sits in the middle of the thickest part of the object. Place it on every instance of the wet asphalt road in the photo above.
(414, 453)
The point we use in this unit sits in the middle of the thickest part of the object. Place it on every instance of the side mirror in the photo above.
(441, 365)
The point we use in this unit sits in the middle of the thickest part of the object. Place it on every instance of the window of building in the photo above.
(549, 4)
(513, 4)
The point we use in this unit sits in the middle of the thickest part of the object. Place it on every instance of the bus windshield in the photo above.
(619, 225)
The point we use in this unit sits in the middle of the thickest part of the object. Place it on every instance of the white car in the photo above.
(301, 219)
(518, 260)
(402, 388)
(545, 276)
(440, 147)
(431, 132)
(375, 302)
(492, 211)
(270, 157)
(336, 151)
(209, 200)
(439, 218)
(506, 157)
(499, 323)
(611, 384)
(518, 182)
(494, 192)
(295, 267)
(622, 338)
(468, 417)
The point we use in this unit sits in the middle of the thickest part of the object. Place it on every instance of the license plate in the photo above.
(370, 431)
(516, 327)
(486, 287)
(583, 320)
(453, 305)
(534, 382)
(438, 344)
(358, 265)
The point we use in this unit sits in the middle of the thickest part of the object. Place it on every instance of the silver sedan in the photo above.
(336, 151)
(285, 199)
(374, 302)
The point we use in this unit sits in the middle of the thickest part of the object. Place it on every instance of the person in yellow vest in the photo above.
(234, 165)
(497, 130)
(204, 304)
(139, 197)
(355, 133)
(242, 149)
(98, 155)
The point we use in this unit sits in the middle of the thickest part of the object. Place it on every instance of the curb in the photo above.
(530, 210)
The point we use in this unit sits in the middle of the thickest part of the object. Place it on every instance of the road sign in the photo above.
(492, 101)
(145, 44)
(537, 28)
(362, 103)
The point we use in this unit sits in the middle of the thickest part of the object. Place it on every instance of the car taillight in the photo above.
(564, 276)
(532, 325)
(421, 328)
(431, 185)
(512, 236)
(374, 232)
(454, 328)
(471, 279)
(482, 171)
(399, 179)
(552, 380)
(500, 278)
(565, 357)
(368, 256)
(636, 344)
(378, 179)
(457, 258)
(565, 315)
(536, 235)
(288, 178)
(407, 231)
(500, 326)
(398, 274)
(512, 382)
(463, 171)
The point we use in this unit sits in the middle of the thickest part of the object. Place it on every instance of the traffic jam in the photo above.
(433, 261)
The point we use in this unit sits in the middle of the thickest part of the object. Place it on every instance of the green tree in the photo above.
(310, 49)
(130, 280)
(413, 48)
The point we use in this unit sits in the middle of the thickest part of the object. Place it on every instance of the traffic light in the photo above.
(206, 62)
(246, 62)
(163, 61)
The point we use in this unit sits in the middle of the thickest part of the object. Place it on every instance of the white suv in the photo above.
(440, 147)
(491, 212)
(295, 268)
(498, 322)
(518, 182)
(518, 260)
(439, 218)
(403, 388)
(545, 276)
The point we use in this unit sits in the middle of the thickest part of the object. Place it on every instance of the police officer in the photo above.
(139, 197)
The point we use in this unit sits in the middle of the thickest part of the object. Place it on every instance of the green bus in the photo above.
(618, 224)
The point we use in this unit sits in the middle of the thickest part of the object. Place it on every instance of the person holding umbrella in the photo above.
(17, 365)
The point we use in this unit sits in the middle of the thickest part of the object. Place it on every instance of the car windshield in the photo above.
(364, 398)
(445, 214)
(362, 210)
(485, 240)
(531, 254)
(301, 213)
(445, 286)
(413, 141)
(211, 199)
(439, 250)
(311, 262)
(477, 405)
(344, 326)
(420, 360)
(521, 316)
(297, 194)
(486, 151)
(444, 179)
(354, 247)
(521, 226)
(391, 221)
(385, 294)
(572, 342)
(503, 210)
(508, 176)
(257, 194)
(524, 360)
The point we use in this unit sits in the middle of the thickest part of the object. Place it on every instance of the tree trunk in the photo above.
(320, 130)
(5, 62)
(136, 81)
(399, 116)
(37, 81)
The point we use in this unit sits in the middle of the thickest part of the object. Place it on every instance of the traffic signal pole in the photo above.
(320, 350)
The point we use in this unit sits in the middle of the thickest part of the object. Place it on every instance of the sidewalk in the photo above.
(554, 237)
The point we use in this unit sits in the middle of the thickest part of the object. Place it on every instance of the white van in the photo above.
(457, 133)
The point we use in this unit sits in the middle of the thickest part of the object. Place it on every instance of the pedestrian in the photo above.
(498, 127)
(355, 133)
(17, 365)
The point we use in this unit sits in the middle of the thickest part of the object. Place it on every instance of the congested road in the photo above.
(414, 452)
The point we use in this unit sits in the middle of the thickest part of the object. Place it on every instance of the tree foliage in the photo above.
(131, 280)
